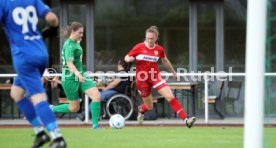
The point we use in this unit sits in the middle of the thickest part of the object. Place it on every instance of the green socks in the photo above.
(95, 112)
(95, 108)
(63, 108)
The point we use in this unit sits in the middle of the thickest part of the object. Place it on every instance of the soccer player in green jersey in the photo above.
(73, 79)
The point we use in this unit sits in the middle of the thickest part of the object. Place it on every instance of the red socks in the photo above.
(176, 106)
(143, 108)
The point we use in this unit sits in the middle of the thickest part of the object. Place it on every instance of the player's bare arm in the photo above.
(168, 65)
(129, 58)
(74, 70)
(52, 19)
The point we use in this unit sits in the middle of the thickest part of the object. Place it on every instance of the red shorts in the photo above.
(144, 84)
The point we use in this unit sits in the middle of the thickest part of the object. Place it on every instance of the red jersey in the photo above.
(146, 63)
(147, 58)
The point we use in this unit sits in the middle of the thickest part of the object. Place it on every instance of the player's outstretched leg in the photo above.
(40, 139)
(177, 107)
(190, 121)
(58, 143)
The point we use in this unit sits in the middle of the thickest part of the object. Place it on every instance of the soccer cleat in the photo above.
(58, 143)
(80, 117)
(97, 127)
(190, 121)
(140, 118)
(41, 139)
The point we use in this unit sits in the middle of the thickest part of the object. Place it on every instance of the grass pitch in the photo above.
(141, 137)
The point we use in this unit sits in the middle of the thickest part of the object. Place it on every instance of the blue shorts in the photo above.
(29, 73)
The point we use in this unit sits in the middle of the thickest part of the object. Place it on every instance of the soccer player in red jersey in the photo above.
(148, 75)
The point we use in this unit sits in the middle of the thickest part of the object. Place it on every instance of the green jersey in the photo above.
(71, 52)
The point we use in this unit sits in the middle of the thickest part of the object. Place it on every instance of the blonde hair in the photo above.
(68, 29)
(153, 29)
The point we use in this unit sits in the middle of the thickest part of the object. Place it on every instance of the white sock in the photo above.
(55, 133)
(38, 129)
(185, 120)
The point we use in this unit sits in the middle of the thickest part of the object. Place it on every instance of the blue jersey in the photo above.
(20, 20)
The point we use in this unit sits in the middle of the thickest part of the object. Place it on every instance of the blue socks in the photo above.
(27, 108)
(46, 115)
(38, 114)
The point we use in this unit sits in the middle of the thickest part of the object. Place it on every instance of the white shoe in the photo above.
(190, 121)
(140, 118)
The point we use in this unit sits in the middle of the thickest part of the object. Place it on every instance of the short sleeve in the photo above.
(134, 51)
(41, 8)
(69, 53)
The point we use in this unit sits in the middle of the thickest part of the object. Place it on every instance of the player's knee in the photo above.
(15, 96)
(12, 96)
(74, 109)
(17, 93)
(96, 97)
(94, 94)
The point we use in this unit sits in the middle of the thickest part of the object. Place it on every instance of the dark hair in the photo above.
(124, 64)
(68, 29)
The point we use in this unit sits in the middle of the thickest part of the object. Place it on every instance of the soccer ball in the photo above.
(117, 121)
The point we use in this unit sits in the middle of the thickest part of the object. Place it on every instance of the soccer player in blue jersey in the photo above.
(30, 58)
